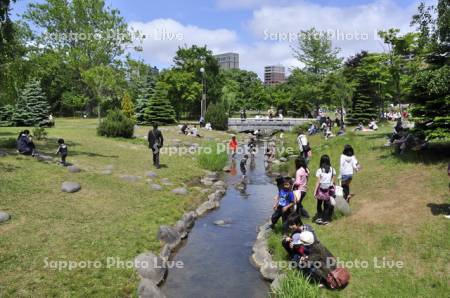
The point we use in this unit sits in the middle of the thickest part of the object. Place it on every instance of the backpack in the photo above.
(338, 278)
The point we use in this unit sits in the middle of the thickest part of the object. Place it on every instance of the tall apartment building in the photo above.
(274, 74)
(228, 60)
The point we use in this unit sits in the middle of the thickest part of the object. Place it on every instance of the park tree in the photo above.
(430, 92)
(159, 109)
(127, 106)
(70, 39)
(32, 108)
(363, 107)
(316, 52)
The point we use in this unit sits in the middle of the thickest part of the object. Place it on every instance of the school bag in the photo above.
(338, 278)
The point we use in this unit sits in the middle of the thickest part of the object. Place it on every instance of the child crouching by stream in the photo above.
(285, 200)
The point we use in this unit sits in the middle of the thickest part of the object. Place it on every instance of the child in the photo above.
(300, 184)
(324, 190)
(243, 165)
(285, 202)
(348, 165)
(62, 151)
(268, 156)
(233, 146)
(298, 245)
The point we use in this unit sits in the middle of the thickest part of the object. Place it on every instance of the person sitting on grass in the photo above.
(285, 200)
(194, 132)
(62, 151)
(324, 190)
(185, 129)
(25, 143)
(298, 246)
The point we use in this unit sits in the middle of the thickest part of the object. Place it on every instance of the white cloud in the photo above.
(164, 36)
(355, 27)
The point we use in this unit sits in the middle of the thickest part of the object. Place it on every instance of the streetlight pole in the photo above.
(203, 101)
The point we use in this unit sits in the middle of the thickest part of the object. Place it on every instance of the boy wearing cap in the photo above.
(299, 245)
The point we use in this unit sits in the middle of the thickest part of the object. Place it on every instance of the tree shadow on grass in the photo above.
(439, 209)
(8, 134)
(434, 153)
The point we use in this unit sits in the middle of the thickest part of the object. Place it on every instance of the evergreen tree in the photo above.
(363, 107)
(430, 89)
(159, 109)
(31, 108)
(6, 113)
(127, 106)
(142, 102)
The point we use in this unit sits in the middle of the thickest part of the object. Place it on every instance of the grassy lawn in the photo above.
(391, 218)
(109, 217)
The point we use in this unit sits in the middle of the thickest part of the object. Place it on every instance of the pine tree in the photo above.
(159, 109)
(127, 106)
(31, 108)
(363, 108)
(6, 113)
(143, 101)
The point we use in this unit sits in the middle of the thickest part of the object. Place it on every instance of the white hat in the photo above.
(306, 238)
(296, 239)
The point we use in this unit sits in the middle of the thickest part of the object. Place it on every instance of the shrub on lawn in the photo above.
(39, 133)
(116, 124)
(211, 159)
(9, 143)
(296, 285)
(217, 115)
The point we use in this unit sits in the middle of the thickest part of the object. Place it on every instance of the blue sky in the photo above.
(261, 31)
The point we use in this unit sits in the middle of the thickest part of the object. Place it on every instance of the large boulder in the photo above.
(148, 289)
(189, 219)
(206, 206)
(169, 235)
(70, 187)
(4, 216)
(151, 267)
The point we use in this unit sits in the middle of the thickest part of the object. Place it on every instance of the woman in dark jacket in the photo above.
(25, 145)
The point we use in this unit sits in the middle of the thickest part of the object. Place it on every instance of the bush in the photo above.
(217, 115)
(9, 143)
(116, 124)
(296, 285)
(211, 159)
(39, 133)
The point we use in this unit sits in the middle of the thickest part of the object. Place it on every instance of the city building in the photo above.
(228, 60)
(274, 74)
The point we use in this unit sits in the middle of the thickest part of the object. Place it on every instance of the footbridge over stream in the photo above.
(264, 125)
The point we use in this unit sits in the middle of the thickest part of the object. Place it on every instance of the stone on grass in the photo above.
(156, 187)
(109, 167)
(70, 187)
(130, 178)
(151, 267)
(4, 216)
(165, 181)
(180, 191)
(169, 235)
(151, 174)
(74, 169)
(106, 172)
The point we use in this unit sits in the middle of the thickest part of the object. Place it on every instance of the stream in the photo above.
(217, 258)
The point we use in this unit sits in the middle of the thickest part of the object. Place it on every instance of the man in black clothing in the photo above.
(155, 142)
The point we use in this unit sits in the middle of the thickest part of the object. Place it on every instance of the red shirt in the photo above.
(233, 144)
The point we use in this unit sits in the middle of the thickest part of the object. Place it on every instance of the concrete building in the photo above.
(228, 60)
(274, 74)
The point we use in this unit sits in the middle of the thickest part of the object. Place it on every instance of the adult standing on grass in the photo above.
(349, 164)
(324, 190)
(155, 142)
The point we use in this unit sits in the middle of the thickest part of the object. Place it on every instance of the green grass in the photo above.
(109, 217)
(211, 157)
(295, 285)
(391, 218)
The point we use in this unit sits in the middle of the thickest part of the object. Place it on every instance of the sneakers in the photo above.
(319, 221)
(324, 223)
